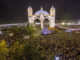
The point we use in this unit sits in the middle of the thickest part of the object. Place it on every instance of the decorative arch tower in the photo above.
(42, 15)
(30, 11)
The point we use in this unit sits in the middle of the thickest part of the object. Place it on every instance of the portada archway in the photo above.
(42, 15)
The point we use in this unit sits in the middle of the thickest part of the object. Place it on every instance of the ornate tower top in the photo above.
(29, 7)
(52, 11)
(30, 11)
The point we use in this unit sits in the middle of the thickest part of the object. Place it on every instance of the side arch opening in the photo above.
(46, 23)
(37, 23)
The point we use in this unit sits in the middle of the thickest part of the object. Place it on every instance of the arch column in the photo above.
(41, 24)
(33, 24)
(41, 19)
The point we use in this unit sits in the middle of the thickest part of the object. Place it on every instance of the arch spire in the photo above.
(52, 6)
(41, 8)
(29, 3)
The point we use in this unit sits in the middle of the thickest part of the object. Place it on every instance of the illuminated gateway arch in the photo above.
(41, 15)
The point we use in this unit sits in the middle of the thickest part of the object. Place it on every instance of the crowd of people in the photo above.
(64, 45)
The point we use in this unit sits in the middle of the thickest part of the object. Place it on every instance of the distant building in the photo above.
(41, 15)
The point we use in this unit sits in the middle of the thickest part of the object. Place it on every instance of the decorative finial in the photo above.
(52, 6)
(29, 3)
(41, 8)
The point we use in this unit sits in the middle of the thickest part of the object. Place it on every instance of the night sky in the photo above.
(12, 11)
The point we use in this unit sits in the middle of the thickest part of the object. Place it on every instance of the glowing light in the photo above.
(57, 58)
(46, 31)
(63, 23)
(11, 34)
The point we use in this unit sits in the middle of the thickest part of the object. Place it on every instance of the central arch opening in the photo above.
(37, 23)
(46, 23)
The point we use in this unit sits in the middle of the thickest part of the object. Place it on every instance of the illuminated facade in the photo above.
(42, 15)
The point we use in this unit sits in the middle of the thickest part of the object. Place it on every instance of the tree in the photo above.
(4, 50)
